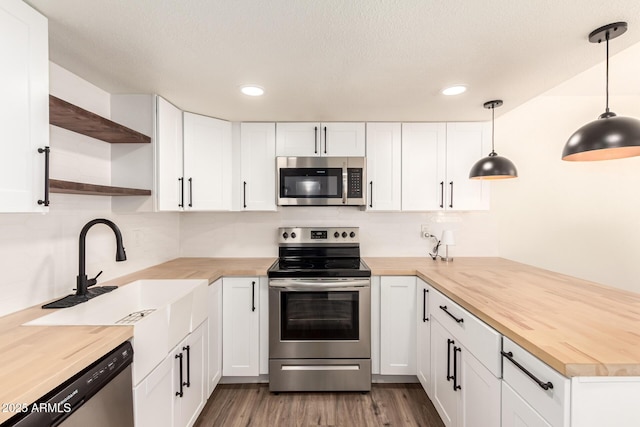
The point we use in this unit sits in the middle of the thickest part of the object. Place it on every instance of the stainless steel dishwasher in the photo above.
(99, 396)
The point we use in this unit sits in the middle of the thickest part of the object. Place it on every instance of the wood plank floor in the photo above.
(235, 405)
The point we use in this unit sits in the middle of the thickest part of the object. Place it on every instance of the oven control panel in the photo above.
(318, 235)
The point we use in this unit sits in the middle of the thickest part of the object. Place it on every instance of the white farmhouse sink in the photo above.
(161, 312)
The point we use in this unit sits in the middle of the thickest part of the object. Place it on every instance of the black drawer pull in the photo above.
(543, 385)
(182, 383)
(188, 350)
(444, 308)
(449, 342)
(253, 296)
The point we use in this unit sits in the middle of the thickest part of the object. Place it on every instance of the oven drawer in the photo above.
(480, 339)
(319, 375)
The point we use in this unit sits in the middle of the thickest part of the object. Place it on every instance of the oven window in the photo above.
(311, 183)
(325, 316)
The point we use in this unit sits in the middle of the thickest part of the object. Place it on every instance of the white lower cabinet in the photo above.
(465, 392)
(189, 373)
(241, 326)
(153, 397)
(423, 336)
(545, 391)
(518, 413)
(398, 325)
(214, 371)
(174, 393)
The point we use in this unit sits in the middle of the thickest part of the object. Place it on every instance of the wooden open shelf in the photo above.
(69, 187)
(76, 119)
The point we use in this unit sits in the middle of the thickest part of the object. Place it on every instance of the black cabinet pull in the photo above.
(451, 199)
(190, 192)
(444, 308)
(315, 147)
(181, 392)
(543, 385)
(325, 140)
(456, 386)
(46, 151)
(442, 194)
(253, 296)
(244, 195)
(371, 199)
(181, 181)
(424, 305)
(449, 342)
(188, 350)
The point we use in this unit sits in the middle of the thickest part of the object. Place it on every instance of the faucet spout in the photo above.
(83, 282)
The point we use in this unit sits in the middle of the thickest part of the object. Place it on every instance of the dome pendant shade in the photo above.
(609, 137)
(493, 167)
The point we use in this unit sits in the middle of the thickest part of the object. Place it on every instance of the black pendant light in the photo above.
(493, 166)
(610, 136)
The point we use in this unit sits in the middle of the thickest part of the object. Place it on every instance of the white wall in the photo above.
(39, 252)
(248, 234)
(577, 218)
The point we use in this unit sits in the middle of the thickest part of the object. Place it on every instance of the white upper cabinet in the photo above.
(466, 144)
(169, 156)
(258, 166)
(24, 111)
(384, 163)
(307, 139)
(207, 163)
(423, 166)
(436, 160)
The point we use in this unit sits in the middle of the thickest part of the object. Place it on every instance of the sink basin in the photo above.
(161, 312)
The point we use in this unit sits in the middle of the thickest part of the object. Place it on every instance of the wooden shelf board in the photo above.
(69, 187)
(76, 119)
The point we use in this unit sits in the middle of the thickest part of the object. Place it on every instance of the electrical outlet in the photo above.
(424, 231)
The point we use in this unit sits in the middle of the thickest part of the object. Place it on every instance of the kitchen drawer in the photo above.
(552, 404)
(480, 339)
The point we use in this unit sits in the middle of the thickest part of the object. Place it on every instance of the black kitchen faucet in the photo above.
(83, 293)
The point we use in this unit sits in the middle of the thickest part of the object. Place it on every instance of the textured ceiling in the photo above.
(333, 60)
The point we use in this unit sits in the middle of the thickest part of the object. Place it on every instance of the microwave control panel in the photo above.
(354, 183)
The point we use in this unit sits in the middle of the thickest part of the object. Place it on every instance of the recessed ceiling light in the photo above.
(454, 90)
(252, 90)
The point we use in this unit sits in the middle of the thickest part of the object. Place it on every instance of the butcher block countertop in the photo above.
(36, 359)
(577, 327)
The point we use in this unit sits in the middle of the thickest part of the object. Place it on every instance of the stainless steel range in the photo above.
(319, 312)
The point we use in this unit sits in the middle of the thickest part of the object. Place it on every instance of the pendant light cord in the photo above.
(493, 121)
(607, 79)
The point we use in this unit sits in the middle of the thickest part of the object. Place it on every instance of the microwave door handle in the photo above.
(344, 183)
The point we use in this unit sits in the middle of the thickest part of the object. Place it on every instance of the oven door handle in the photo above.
(347, 285)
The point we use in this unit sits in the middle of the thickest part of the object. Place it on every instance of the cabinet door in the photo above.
(423, 166)
(207, 163)
(423, 339)
(170, 187)
(194, 350)
(398, 325)
(466, 144)
(153, 398)
(384, 166)
(298, 139)
(444, 398)
(258, 166)
(241, 322)
(24, 110)
(343, 139)
(215, 335)
(516, 412)
(479, 392)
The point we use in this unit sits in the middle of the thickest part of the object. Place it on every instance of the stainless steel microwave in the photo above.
(321, 181)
